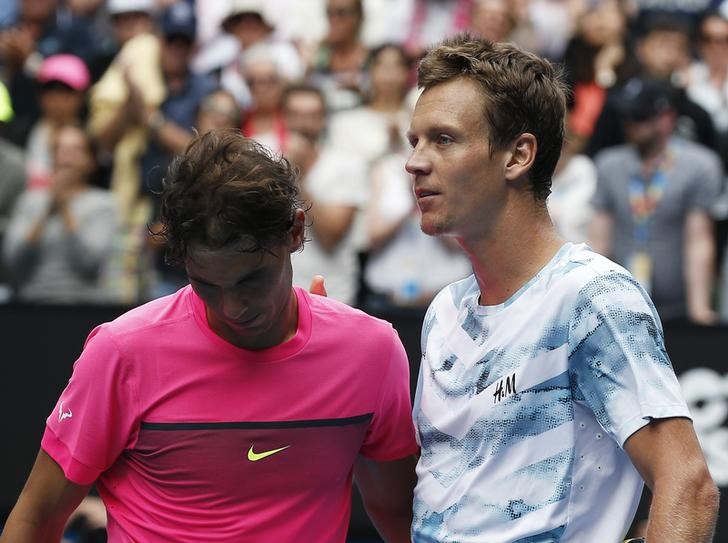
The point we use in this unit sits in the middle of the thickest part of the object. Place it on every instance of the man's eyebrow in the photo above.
(434, 129)
(442, 127)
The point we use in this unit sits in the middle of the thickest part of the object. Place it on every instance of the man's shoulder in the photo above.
(455, 292)
(597, 284)
(11, 154)
(347, 319)
(452, 297)
(145, 320)
(580, 273)
(696, 152)
(580, 265)
(615, 156)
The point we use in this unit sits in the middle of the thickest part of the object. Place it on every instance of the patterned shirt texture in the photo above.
(522, 408)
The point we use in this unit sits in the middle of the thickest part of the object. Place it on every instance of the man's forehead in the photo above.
(451, 91)
(246, 245)
(449, 101)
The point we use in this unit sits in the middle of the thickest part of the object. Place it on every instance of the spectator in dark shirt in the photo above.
(662, 52)
(42, 30)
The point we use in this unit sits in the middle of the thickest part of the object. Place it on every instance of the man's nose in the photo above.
(234, 306)
(417, 163)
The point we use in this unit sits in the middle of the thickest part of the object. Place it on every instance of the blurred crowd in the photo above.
(98, 96)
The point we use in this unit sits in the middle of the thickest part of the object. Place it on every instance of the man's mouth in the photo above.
(424, 193)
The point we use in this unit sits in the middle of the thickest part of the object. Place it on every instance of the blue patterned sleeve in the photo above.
(618, 364)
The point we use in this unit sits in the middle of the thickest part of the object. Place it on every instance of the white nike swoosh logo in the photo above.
(64, 414)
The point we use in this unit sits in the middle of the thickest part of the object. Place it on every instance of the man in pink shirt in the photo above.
(238, 408)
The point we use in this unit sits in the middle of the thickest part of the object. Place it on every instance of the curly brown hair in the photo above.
(522, 93)
(226, 189)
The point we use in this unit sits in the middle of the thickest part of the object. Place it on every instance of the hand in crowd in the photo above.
(135, 106)
(63, 189)
(610, 57)
(16, 45)
(702, 315)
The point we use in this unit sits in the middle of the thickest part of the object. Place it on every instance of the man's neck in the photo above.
(512, 254)
(651, 158)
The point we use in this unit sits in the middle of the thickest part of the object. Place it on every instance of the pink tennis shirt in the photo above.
(190, 438)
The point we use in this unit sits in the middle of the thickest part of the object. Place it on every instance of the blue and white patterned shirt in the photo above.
(522, 408)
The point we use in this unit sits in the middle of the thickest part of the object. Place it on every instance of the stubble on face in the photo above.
(452, 159)
(248, 296)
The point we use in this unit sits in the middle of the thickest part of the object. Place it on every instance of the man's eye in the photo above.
(444, 139)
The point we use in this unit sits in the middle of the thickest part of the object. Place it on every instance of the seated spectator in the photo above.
(12, 180)
(42, 30)
(142, 112)
(595, 60)
(337, 63)
(707, 77)
(572, 188)
(653, 201)
(552, 25)
(59, 237)
(663, 51)
(114, 26)
(431, 21)
(217, 110)
(62, 84)
(169, 127)
(707, 86)
(493, 20)
(253, 28)
(333, 185)
(378, 126)
(405, 268)
(304, 111)
(263, 120)
(129, 18)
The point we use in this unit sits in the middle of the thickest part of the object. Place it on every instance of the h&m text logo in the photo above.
(504, 388)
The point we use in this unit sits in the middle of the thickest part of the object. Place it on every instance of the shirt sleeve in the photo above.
(340, 179)
(427, 324)
(707, 180)
(601, 198)
(90, 244)
(618, 363)
(96, 416)
(391, 433)
(19, 254)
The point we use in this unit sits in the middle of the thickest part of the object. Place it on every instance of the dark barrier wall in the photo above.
(39, 345)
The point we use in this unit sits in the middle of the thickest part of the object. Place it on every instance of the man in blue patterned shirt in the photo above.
(546, 395)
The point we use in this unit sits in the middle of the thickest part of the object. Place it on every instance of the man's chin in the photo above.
(432, 228)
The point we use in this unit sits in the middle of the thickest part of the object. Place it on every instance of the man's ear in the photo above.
(298, 230)
(521, 156)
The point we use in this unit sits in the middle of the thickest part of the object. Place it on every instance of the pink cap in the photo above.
(68, 69)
